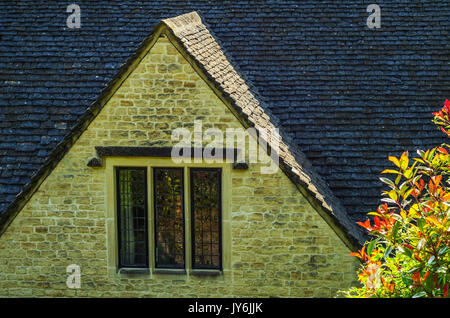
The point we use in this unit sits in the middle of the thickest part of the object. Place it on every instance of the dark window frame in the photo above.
(118, 211)
(205, 267)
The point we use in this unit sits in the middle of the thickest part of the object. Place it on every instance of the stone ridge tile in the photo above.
(246, 101)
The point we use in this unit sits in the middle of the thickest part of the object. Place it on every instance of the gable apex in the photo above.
(192, 38)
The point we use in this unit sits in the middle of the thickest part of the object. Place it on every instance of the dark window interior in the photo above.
(206, 218)
(169, 217)
(169, 209)
(132, 217)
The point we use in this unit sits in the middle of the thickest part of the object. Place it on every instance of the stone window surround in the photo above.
(110, 163)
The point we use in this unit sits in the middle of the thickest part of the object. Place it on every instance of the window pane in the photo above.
(132, 217)
(206, 218)
(169, 217)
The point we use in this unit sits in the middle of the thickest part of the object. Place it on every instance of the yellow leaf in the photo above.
(408, 173)
(390, 171)
(394, 160)
(393, 195)
(433, 220)
(404, 160)
(413, 210)
(403, 214)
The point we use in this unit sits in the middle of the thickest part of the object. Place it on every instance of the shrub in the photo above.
(408, 253)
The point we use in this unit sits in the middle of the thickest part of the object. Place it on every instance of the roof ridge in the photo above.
(182, 22)
(301, 169)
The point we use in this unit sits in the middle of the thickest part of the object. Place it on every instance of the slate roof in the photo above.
(348, 94)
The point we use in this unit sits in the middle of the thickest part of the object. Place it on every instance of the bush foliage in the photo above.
(409, 251)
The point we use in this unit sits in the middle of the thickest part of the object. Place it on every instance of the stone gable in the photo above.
(279, 245)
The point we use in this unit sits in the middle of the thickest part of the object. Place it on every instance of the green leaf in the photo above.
(406, 279)
(408, 193)
(395, 230)
(419, 294)
(421, 223)
(387, 252)
(429, 283)
(431, 154)
(371, 246)
(404, 186)
(416, 178)
(393, 195)
(443, 250)
(408, 252)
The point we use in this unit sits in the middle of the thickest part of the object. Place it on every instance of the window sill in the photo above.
(206, 272)
(169, 271)
(133, 271)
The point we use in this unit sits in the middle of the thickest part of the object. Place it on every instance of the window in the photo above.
(132, 217)
(182, 219)
(169, 217)
(206, 216)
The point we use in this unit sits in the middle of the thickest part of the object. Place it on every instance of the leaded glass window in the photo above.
(169, 217)
(168, 249)
(206, 218)
(132, 216)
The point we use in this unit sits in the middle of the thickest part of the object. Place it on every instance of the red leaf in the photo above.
(376, 220)
(447, 105)
(383, 208)
(360, 254)
(444, 131)
(437, 179)
(431, 187)
(439, 114)
(416, 277)
(420, 185)
(365, 225)
(408, 246)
